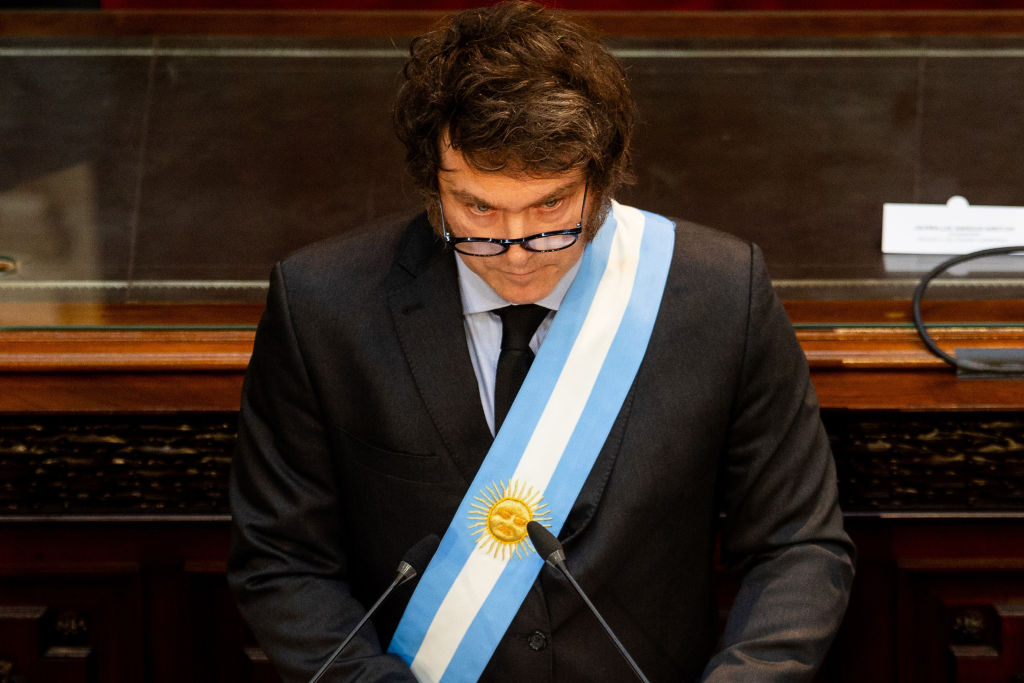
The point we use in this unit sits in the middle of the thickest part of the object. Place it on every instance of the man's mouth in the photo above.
(517, 275)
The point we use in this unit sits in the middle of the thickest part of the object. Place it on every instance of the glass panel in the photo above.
(156, 170)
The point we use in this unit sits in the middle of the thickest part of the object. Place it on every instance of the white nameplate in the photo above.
(955, 227)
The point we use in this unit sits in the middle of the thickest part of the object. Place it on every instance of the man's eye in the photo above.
(481, 208)
(552, 203)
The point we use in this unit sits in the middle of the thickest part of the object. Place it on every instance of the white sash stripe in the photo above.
(460, 606)
(572, 390)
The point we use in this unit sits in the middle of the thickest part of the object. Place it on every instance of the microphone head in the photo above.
(544, 541)
(418, 557)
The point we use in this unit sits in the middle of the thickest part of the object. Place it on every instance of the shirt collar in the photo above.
(478, 296)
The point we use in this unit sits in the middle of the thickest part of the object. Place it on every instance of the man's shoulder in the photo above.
(694, 241)
(357, 263)
(710, 252)
(694, 237)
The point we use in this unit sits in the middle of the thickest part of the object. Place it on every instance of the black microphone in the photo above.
(551, 550)
(415, 560)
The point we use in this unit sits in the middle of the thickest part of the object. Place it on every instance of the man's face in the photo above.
(501, 205)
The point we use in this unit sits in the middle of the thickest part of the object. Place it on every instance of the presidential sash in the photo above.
(543, 452)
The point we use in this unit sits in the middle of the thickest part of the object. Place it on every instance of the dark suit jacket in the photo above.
(361, 428)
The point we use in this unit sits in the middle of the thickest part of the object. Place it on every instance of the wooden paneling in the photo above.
(125, 350)
(121, 602)
(405, 24)
(863, 355)
(960, 601)
(73, 628)
(636, 6)
(920, 584)
(937, 599)
(119, 392)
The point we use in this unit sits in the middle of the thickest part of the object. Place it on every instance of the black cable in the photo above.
(961, 364)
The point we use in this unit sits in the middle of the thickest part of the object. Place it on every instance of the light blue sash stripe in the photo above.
(603, 406)
(508, 445)
(621, 364)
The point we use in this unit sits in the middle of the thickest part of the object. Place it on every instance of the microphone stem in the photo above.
(334, 655)
(607, 629)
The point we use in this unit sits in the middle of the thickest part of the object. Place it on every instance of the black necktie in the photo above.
(518, 324)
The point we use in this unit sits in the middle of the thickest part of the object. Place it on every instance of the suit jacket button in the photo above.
(538, 640)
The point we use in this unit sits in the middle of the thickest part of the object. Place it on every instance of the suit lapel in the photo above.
(423, 293)
(585, 506)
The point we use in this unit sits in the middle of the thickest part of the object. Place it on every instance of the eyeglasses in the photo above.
(553, 240)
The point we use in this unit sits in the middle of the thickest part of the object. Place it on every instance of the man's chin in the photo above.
(524, 294)
(520, 300)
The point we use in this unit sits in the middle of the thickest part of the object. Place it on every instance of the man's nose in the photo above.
(516, 225)
(517, 253)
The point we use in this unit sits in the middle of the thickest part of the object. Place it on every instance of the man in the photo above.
(668, 407)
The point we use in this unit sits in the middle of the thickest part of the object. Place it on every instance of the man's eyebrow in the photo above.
(562, 191)
(465, 196)
(557, 193)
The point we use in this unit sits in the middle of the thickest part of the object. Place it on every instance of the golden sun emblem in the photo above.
(500, 515)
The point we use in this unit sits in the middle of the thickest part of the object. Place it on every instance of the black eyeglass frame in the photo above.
(506, 242)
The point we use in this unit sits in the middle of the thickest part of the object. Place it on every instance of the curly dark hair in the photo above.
(516, 88)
